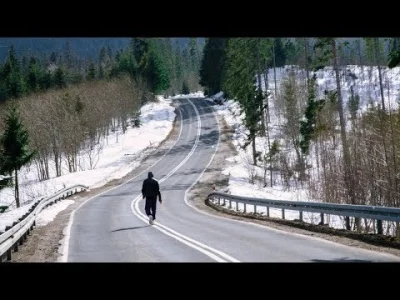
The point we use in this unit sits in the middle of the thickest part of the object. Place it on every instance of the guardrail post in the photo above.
(219, 201)
(9, 254)
(230, 203)
(16, 247)
(255, 209)
(244, 207)
(347, 219)
(322, 219)
(268, 211)
(224, 202)
(237, 206)
(301, 215)
(283, 213)
(379, 226)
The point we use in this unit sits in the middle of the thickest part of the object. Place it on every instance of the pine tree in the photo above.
(309, 123)
(280, 55)
(185, 88)
(33, 75)
(394, 54)
(91, 71)
(53, 58)
(59, 78)
(161, 79)
(14, 146)
(240, 83)
(194, 55)
(212, 64)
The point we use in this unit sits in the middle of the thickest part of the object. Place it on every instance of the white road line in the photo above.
(165, 230)
(64, 249)
(190, 242)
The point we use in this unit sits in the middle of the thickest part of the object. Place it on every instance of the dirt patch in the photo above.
(213, 175)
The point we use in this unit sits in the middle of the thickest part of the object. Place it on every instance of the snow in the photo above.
(49, 213)
(7, 218)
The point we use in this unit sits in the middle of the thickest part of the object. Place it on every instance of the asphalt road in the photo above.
(112, 227)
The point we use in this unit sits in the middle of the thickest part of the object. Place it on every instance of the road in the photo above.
(112, 226)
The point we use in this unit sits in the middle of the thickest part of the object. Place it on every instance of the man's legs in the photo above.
(154, 207)
(147, 206)
(150, 208)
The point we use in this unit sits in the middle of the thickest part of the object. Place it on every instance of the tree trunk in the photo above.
(343, 134)
(260, 89)
(268, 120)
(253, 144)
(273, 55)
(361, 60)
(377, 60)
(306, 60)
(17, 189)
(266, 93)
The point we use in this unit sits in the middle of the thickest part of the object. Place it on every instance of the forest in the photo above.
(56, 105)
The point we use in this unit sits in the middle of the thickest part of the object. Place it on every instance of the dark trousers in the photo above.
(150, 207)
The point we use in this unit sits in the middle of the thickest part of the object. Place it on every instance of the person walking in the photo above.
(150, 191)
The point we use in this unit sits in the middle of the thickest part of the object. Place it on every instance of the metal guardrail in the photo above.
(378, 213)
(18, 232)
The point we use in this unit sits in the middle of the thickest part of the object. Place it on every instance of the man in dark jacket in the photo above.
(150, 191)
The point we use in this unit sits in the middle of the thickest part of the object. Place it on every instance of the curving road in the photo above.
(112, 226)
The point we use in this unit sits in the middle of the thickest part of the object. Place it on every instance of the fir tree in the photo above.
(91, 71)
(212, 64)
(14, 147)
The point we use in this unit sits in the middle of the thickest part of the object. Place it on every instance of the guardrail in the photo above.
(18, 232)
(378, 213)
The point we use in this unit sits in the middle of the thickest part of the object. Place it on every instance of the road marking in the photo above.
(169, 232)
(178, 236)
(64, 249)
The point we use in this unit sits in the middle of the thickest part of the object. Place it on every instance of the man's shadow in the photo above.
(130, 228)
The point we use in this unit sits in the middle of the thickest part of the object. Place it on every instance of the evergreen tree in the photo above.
(33, 75)
(14, 146)
(53, 58)
(59, 78)
(394, 54)
(280, 55)
(157, 73)
(45, 80)
(185, 88)
(194, 54)
(308, 125)
(91, 71)
(212, 64)
(240, 83)
(3, 91)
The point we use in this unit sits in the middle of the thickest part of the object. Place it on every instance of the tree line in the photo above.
(167, 67)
